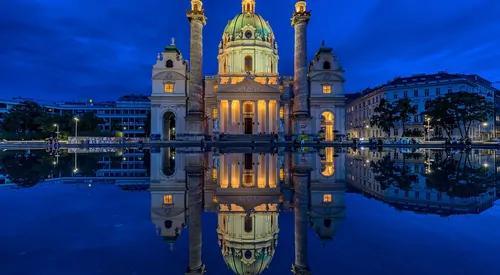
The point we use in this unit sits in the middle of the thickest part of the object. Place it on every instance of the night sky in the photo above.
(81, 49)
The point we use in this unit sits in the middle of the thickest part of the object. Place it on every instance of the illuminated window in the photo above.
(248, 107)
(215, 199)
(216, 88)
(282, 174)
(327, 89)
(214, 113)
(327, 198)
(248, 63)
(169, 87)
(282, 88)
(168, 200)
(282, 113)
(50, 110)
(214, 173)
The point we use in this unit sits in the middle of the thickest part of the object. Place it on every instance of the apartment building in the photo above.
(129, 111)
(419, 88)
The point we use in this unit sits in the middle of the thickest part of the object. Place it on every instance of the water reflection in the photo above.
(247, 191)
(443, 182)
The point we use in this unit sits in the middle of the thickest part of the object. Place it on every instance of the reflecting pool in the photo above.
(311, 211)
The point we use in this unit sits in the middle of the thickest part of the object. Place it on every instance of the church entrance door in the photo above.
(248, 126)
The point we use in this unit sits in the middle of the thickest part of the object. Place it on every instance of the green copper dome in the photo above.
(234, 27)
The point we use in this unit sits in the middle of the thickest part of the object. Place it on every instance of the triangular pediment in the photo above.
(327, 76)
(248, 86)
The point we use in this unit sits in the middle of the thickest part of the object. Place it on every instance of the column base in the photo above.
(198, 271)
(301, 125)
(194, 130)
(297, 270)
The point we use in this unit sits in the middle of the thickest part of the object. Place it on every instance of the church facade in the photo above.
(248, 96)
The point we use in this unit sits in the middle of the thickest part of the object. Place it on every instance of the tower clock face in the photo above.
(248, 34)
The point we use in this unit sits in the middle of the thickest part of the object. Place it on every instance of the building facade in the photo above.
(248, 96)
(247, 192)
(419, 88)
(129, 111)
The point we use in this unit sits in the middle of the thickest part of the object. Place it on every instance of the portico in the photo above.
(247, 108)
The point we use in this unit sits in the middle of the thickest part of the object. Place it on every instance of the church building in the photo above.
(248, 96)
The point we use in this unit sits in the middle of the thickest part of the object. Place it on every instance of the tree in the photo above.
(468, 108)
(89, 122)
(404, 111)
(21, 117)
(439, 113)
(384, 116)
(456, 176)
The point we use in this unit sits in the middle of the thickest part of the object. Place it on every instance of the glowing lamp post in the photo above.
(57, 130)
(76, 129)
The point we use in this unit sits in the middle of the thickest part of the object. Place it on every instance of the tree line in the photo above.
(28, 120)
(449, 112)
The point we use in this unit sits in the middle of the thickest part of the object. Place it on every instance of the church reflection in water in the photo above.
(247, 191)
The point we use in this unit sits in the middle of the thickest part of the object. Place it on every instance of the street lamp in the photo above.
(57, 130)
(428, 119)
(76, 129)
(76, 163)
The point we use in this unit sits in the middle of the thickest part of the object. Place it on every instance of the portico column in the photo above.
(267, 170)
(255, 171)
(240, 161)
(229, 170)
(256, 103)
(277, 114)
(230, 115)
(241, 117)
(267, 117)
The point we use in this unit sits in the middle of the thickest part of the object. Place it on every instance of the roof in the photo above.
(423, 78)
(262, 27)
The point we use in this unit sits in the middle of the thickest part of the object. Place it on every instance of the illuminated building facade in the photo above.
(248, 96)
(245, 190)
(419, 88)
(129, 111)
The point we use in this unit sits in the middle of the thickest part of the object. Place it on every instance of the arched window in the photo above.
(248, 224)
(248, 63)
(326, 65)
(248, 7)
(195, 7)
(272, 67)
(169, 63)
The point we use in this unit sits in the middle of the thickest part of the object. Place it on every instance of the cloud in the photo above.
(103, 49)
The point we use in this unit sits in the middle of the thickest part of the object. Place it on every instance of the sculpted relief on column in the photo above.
(195, 101)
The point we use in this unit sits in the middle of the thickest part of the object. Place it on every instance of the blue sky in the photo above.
(81, 49)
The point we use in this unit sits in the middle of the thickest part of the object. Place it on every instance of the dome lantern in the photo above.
(248, 6)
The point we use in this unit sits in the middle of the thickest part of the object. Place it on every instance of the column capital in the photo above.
(300, 17)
